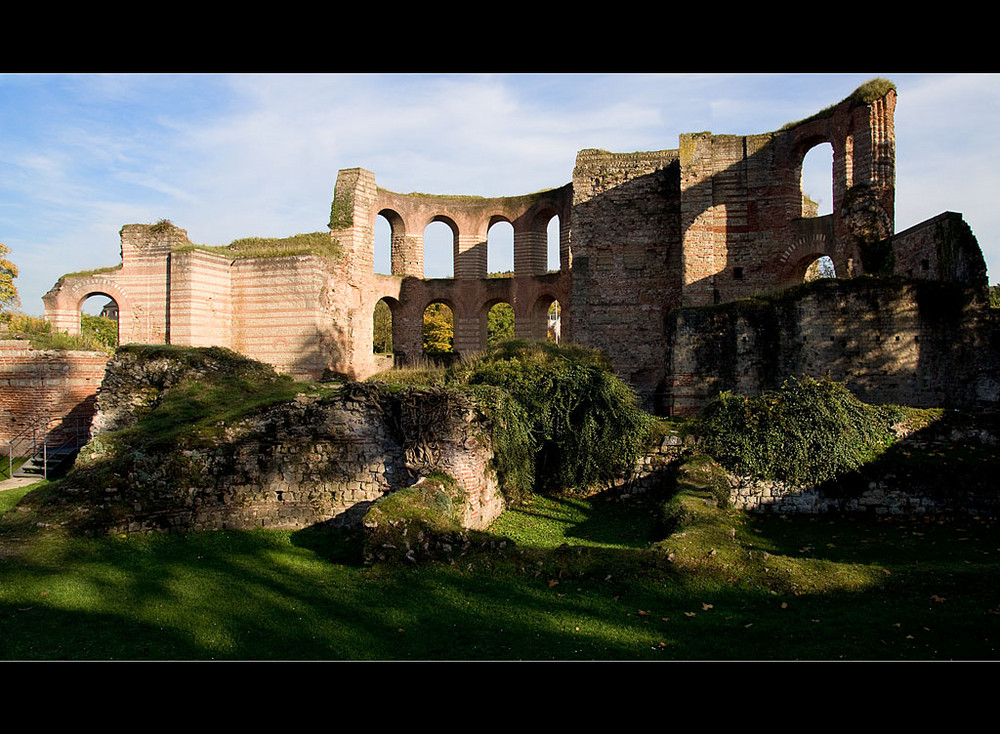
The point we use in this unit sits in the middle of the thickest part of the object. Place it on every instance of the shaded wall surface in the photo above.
(35, 384)
(923, 344)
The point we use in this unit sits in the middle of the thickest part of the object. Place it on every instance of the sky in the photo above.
(257, 155)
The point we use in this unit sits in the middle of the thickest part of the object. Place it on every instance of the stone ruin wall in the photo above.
(470, 293)
(719, 219)
(924, 345)
(315, 459)
(626, 259)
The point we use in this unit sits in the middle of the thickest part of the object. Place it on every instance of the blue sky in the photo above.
(230, 156)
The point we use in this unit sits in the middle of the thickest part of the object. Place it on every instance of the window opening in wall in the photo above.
(820, 268)
(382, 328)
(439, 251)
(817, 181)
(439, 329)
(553, 327)
(99, 320)
(382, 255)
(500, 249)
(738, 273)
(499, 324)
(552, 244)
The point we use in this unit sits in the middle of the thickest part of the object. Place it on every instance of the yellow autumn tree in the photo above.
(8, 271)
(439, 329)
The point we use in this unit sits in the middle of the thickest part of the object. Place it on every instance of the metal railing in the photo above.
(45, 437)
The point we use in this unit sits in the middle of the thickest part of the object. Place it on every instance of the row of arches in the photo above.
(439, 247)
(499, 323)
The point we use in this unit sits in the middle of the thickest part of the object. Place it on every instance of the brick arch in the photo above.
(493, 221)
(64, 303)
(450, 304)
(805, 146)
(537, 327)
(455, 246)
(484, 316)
(805, 250)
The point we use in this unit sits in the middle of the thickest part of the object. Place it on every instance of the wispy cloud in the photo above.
(232, 156)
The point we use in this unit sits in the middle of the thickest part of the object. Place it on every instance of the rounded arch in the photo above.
(438, 328)
(389, 237)
(64, 304)
(382, 246)
(99, 314)
(383, 323)
(815, 165)
(497, 322)
(546, 318)
(538, 251)
(500, 246)
(440, 247)
(553, 244)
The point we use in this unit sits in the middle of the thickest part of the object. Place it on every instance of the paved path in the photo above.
(17, 482)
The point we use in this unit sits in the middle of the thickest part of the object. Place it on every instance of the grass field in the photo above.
(589, 581)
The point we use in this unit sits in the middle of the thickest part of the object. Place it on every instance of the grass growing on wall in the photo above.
(99, 334)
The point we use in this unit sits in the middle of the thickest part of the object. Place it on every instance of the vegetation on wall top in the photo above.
(867, 93)
(805, 432)
(98, 333)
(319, 244)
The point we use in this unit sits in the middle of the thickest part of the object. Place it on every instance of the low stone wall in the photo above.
(882, 498)
(966, 487)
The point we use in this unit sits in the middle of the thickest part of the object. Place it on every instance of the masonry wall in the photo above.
(282, 314)
(201, 305)
(626, 259)
(312, 460)
(63, 384)
(942, 248)
(920, 344)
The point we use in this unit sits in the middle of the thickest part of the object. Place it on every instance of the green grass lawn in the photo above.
(587, 583)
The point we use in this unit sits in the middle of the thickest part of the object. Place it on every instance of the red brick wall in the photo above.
(33, 382)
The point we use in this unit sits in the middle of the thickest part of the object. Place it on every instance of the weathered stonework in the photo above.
(322, 457)
(718, 219)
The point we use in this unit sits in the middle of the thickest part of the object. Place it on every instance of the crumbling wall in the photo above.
(626, 259)
(942, 248)
(324, 456)
(923, 344)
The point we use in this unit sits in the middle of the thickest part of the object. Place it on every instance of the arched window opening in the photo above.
(439, 329)
(499, 324)
(382, 236)
(500, 249)
(553, 326)
(817, 181)
(99, 320)
(439, 250)
(552, 245)
(382, 328)
(821, 267)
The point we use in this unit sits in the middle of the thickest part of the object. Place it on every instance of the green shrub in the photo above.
(581, 423)
(807, 431)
